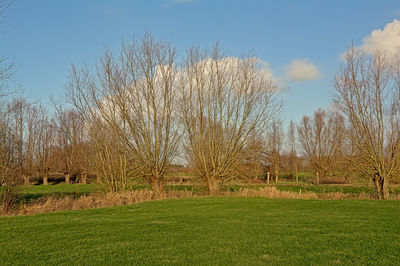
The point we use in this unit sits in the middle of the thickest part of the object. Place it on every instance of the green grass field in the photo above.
(217, 230)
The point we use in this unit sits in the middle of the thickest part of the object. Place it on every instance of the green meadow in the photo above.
(210, 230)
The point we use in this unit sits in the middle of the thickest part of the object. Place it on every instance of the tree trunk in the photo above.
(67, 176)
(268, 178)
(297, 177)
(84, 178)
(26, 179)
(317, 178)
(213, 185)
(276, 175)
(158, 188)
(385, 188)
(382, 189)
(45, 180)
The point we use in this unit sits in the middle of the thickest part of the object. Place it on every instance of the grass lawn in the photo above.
(217, 230)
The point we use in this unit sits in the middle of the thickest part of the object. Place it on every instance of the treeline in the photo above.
(141, 110)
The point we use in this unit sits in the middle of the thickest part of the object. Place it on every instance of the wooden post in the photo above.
(267, 178)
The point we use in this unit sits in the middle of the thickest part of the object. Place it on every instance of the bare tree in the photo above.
(18, 111)
(7, 151)
(253, 159)
(224, 102)
(4, 5)
(275, 140)
(70, 135)
(367, 94)
(44, 131)
(133, 97)
(5, 66)
(321, 137)
(293, 156)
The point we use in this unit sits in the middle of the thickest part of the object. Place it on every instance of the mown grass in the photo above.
(247, 231)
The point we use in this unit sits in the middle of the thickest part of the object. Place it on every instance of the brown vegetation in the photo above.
(111, 199)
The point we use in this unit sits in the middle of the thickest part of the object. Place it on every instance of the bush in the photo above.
(8, 198)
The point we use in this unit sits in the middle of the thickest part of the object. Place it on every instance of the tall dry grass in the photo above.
(101, 200)
(111, 199)
(272, 192)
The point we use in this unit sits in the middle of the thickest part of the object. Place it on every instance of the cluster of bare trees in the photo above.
(139, 111)
(144, 111)
(35, 145)
(362, 132)
(321, 138)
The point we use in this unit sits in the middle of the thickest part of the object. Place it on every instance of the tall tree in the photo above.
(133, 97)
(367, 94)
(224, 102)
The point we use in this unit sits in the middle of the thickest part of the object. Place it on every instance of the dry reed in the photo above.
(111, 199)
(102, 200)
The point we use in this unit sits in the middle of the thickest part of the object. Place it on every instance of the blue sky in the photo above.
(43, 38)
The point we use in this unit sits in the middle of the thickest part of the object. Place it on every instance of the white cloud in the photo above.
(386, 40)
(265, 70)
(301, 70)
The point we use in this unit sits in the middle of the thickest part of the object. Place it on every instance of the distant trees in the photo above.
(321, 137)
(254, 161)
(45, 134)
(275, 136)
(292, 148)
(70, 140)
(367, 94)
